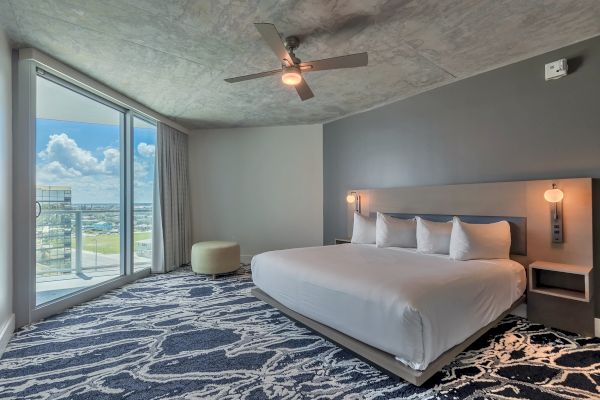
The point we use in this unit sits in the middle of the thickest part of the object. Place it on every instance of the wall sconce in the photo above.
(555, 196)
(354, 197)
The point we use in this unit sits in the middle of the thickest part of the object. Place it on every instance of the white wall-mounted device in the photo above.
(556, 69)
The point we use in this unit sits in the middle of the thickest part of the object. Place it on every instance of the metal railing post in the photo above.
(78, 243)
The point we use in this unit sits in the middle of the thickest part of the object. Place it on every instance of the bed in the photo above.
(406, 312)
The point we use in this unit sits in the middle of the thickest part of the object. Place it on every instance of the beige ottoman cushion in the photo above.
(215, 257)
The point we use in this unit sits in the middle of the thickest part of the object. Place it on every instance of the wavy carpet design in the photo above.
(181, 336)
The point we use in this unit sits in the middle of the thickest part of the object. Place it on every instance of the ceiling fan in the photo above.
(292, 67)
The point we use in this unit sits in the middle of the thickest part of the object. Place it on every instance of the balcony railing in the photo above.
(73, 226)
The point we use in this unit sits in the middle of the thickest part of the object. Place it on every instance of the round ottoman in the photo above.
(215, 257)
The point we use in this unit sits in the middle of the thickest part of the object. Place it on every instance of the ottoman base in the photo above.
(215, 258)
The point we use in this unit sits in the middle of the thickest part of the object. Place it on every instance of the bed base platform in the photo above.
(378, 358)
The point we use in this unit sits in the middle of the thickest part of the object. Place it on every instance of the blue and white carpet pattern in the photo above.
(181, 336)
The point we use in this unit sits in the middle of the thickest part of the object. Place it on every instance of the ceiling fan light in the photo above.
(291, 76)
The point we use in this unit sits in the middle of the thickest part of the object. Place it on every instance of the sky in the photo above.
(86, 157)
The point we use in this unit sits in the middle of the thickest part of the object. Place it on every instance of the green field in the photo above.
(108, 243)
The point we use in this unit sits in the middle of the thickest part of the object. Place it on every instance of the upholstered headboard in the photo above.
(518, 226)
(521, 203)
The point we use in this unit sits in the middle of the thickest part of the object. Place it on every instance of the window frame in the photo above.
(28, 65)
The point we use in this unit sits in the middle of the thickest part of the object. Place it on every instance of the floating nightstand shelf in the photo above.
(578, 276)
(559, 295)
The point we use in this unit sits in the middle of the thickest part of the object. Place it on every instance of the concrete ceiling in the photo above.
(173, 55)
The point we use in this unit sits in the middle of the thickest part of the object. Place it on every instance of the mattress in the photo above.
(414, 306)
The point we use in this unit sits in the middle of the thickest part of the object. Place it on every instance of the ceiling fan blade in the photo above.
(252, 76)
(304, 90)
(270, 35)
(349, 61)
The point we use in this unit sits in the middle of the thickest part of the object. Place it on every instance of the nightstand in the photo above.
(559, 296)
(342, 241)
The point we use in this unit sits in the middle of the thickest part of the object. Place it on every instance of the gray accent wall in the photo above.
(503, 125)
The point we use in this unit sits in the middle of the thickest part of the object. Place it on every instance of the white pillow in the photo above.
(433, 237)
(363, 230)
(479, 241)
(395, 232)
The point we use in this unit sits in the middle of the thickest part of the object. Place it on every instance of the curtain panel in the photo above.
(172, 240)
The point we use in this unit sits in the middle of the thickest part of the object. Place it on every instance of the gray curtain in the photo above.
(172, 230)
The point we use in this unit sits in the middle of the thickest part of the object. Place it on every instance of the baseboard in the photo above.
(597, 327)
(6, 332)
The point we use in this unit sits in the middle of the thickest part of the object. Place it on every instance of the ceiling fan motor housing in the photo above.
(292, 42)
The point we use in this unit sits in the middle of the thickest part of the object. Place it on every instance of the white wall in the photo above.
(6, 280)
(261, 187)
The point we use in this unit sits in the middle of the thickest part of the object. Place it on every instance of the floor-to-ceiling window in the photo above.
(144, 145)
(90, 155)
(84, 172)
(78, 190)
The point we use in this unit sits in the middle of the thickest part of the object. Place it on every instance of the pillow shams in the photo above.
(479, 241)
(363, 230)
(395, 232)
(433, 237)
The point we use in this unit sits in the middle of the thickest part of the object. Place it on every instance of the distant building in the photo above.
(53, 230)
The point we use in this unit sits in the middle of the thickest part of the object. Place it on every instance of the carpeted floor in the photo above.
(181, 336)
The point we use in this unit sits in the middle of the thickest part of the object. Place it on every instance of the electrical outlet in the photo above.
(556, 69)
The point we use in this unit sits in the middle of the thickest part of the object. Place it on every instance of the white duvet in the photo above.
(414, 306)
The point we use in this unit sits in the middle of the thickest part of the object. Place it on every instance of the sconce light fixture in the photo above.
(555, 196)
(354, 197)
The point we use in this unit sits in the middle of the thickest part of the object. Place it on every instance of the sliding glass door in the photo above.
(79, 210)
(84, 170)
(94, 193)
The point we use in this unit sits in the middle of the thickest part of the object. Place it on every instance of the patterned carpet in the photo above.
(181, 336)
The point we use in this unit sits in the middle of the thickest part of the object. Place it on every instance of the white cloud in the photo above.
(146, 150)
(58, 170)
(85, 188)
(111, 162)
(139, 171)
(92, 178)
(63, 150)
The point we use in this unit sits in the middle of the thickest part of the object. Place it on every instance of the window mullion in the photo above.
(127, 199)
